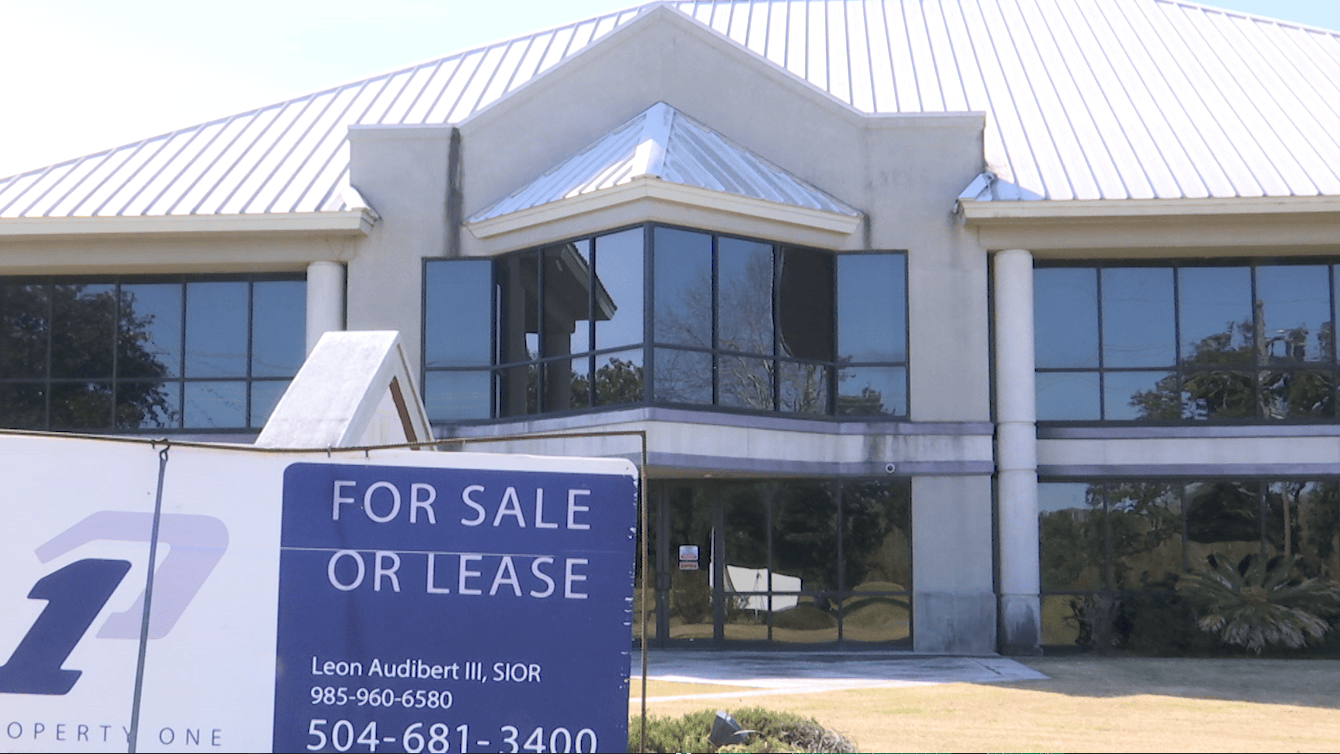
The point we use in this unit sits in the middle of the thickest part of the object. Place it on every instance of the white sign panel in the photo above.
(78, 523)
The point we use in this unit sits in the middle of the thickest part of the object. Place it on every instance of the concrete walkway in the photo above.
(808, 672)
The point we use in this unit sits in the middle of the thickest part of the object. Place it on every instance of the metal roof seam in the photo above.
(1015, 120)
(254, 162)
(1188, 95)
(1299, 118)
(1050, 145)
(1277, 155)
(1101, 158)
(303, 162)
(1140, 130)
(1092, 151)
(1233, 114)
(1174, 124)
(339, 140)
(1316, 79)
(68, 173)
(869, 60)
(219, 155)
(172, 145)
(273, 166)
(991, 148)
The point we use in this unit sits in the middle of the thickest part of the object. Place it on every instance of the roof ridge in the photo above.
(1247, 15)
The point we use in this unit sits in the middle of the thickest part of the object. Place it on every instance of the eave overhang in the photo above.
(1150, 228)
(651, 190)
(346, 223)
(981, 213)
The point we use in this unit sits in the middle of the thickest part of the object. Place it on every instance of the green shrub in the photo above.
(1260, 603)
(773, 732)
(803, 617)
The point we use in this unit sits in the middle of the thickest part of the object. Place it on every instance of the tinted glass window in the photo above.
(83, 324)
(744, 296)
(458, 313)
(683, 278)
(805, 304)
(278, 328)
(216, 330)
(148, 353)
(619, 286)
(1139, 326)
(736, 323)
(1215, 314)
(1066, 321)
(151, 330)
(872, 308)
(1293, 303)
(1194, 342)
(25, 326)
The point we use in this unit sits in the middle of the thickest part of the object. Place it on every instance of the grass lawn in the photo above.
(1108, 704)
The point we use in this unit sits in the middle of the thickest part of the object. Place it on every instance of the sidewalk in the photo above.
(801, 672)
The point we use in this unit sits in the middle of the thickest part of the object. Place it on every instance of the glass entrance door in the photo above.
(805, 562)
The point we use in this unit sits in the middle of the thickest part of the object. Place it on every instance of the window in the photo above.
(733, 323)
(1189, 342)
(147, 353)
(799, 561)
(1111, 552)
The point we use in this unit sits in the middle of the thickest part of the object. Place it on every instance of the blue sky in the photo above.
(85, 75)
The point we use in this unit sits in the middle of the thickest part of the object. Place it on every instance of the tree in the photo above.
(81, 360)
(1242, 373)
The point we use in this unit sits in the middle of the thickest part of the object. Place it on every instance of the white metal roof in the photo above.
(1085, 99)
(662, 142)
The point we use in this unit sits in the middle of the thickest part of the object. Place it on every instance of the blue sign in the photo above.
(453, 610)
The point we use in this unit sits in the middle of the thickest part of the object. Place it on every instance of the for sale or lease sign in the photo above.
(406, 601)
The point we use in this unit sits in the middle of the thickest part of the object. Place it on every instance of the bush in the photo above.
(803, 618)
(773, 732)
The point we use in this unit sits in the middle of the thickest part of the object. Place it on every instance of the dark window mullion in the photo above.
(116, 349)
(1102, 374)
(648, 314)
(714, 317)
(777, 261)
(1179, 373)
(251, 335)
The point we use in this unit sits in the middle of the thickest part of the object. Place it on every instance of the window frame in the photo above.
(1256, 370)
(649, 348)
(178, 376)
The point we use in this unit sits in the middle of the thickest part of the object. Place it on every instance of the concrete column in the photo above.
(1016, 454)
(325, 300)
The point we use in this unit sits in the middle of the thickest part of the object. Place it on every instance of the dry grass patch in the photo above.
(1125, 704)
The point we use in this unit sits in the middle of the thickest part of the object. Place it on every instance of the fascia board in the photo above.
(356, 222)
(983, 213)
(656, 189)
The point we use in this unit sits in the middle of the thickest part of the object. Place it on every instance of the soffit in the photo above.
(1084, 99)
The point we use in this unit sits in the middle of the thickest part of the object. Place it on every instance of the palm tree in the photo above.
(1258, 603)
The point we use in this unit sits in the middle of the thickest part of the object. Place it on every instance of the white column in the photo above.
(1016, 453)
(325, 300)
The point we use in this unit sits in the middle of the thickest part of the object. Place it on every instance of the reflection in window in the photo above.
(1185, 342)
(147, 353)
(734, 323)
(795, 561)
(1111, 553)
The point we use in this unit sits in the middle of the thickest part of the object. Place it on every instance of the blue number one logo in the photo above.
(75, 595)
